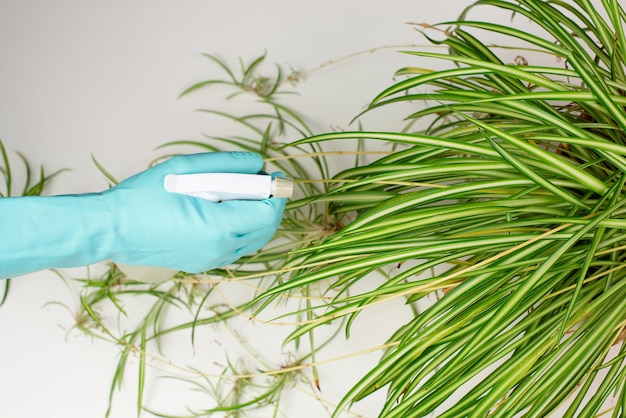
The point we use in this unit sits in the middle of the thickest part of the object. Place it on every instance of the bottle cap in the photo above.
(282, 188)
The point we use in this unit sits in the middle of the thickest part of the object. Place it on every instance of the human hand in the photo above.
(153, 227)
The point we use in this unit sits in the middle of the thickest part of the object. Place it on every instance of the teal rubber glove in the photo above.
(139, 223)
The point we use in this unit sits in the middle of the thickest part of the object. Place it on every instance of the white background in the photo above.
(81, 78)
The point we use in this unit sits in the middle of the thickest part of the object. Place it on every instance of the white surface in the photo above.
(82, 78)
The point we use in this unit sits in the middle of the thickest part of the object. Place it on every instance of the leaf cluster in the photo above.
(509, 204)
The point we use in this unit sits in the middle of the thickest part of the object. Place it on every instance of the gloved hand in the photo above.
(137, 222)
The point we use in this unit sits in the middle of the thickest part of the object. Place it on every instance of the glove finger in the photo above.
(248, 243)
(256, 224)
(245, 216)
(253, 246)
(213, 162)
(257, 238)
(276, 208)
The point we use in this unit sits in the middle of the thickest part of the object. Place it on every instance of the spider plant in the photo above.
(501, 209)
(509, 204)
